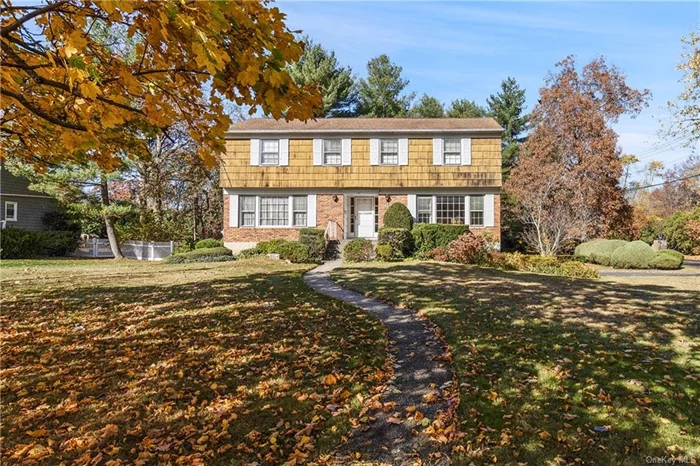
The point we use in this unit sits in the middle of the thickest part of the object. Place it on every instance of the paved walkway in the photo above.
(420, 378)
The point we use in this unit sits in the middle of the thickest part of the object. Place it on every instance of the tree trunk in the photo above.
(109, 221)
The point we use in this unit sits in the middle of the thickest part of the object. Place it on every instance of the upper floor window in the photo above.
(389, 151)
(449, 209)
(10, 211)
(332, 151)
(270, 151)
(424, 209)
(476, 211)
(452, 151)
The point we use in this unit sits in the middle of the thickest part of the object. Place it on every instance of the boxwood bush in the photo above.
(398, 216)
(667, 259)
(208, 243)
(250, 252)
(315, 240)
(385, 252)
(634, 255)
(358, 250)
(430, 236)
(399, 240)
(599, 251)
(292, 251)
(199, 255)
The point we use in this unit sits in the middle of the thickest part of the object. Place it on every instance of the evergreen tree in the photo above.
(428, 107)
(337, 84)
(381, 94)
(463, 108)
(507, 107)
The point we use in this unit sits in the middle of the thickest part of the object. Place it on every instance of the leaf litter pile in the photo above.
(134, 363)
(553, 370)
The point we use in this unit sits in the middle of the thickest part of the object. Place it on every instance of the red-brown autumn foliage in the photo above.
(566, 183)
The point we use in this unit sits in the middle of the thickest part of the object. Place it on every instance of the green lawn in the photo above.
(146, 363)
(555, 370)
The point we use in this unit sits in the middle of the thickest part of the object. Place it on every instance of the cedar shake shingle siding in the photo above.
(338, 194)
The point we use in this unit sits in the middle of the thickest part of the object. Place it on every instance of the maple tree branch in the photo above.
(39, 11)
(40, 113)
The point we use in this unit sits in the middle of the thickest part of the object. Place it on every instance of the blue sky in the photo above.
(464, 49)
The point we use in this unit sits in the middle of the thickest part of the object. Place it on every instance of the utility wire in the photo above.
(636, 188)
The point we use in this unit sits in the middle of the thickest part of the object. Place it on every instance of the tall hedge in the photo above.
(315, 240)
(16, 243)
(398, 216)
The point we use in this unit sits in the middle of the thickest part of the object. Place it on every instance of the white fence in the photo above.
(139, 250)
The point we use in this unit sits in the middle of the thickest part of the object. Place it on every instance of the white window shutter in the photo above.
(466, 151)
(374, 151)
(403, 151)
(254, 152)
(347, 151)
(233, 210)
(467, 218)
(311, 211)
(437, 151)
(284, 152)
(412, 205)
(318, 151)
(489, 209)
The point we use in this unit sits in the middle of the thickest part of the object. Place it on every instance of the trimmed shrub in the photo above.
(250, 252)
(57, 243)
(399, 239)
(385, 252)
(272, 246)
(540, 264)
(209, 243)
(666, 259)
(295, 252)
(467, 249)
(197, 255)
(315, 240)
(184, 247)
(428, 236)
(16, 243)
(599, 251)
(438, 254)
(634, 255)
(398, 216)
(358, 250)
(186, 260)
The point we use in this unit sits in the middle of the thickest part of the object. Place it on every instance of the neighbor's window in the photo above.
(247, 206)
(274, 211)
(452, 151)
(476, 211)
(270, 152)
(299, 208)
(450, 209)
(332, 149)
(424, 209)
(389, 151)
(10, 211)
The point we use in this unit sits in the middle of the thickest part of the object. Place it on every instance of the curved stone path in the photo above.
(421, 382)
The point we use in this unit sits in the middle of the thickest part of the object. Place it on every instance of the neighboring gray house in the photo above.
(21, 207)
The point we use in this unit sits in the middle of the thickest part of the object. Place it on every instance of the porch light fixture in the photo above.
(335, 198)
(388, 198)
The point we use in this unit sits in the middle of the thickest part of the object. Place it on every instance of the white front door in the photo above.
(364, 217)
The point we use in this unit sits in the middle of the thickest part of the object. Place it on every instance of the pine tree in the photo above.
(337, 84)
(381, 94)
(428, 107)
(463, 108)
(507, 108)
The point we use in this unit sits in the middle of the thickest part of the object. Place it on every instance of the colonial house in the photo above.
(341, 175)
(20, 206)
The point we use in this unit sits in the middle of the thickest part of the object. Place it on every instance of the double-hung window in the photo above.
(247, 205)
(299, 208)
(270, 152)
(10, 211)
(424, 211)
(389, 151)
(274, 211)
(476, 211)
(449, 209)
(332, 151)
(452, 151)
